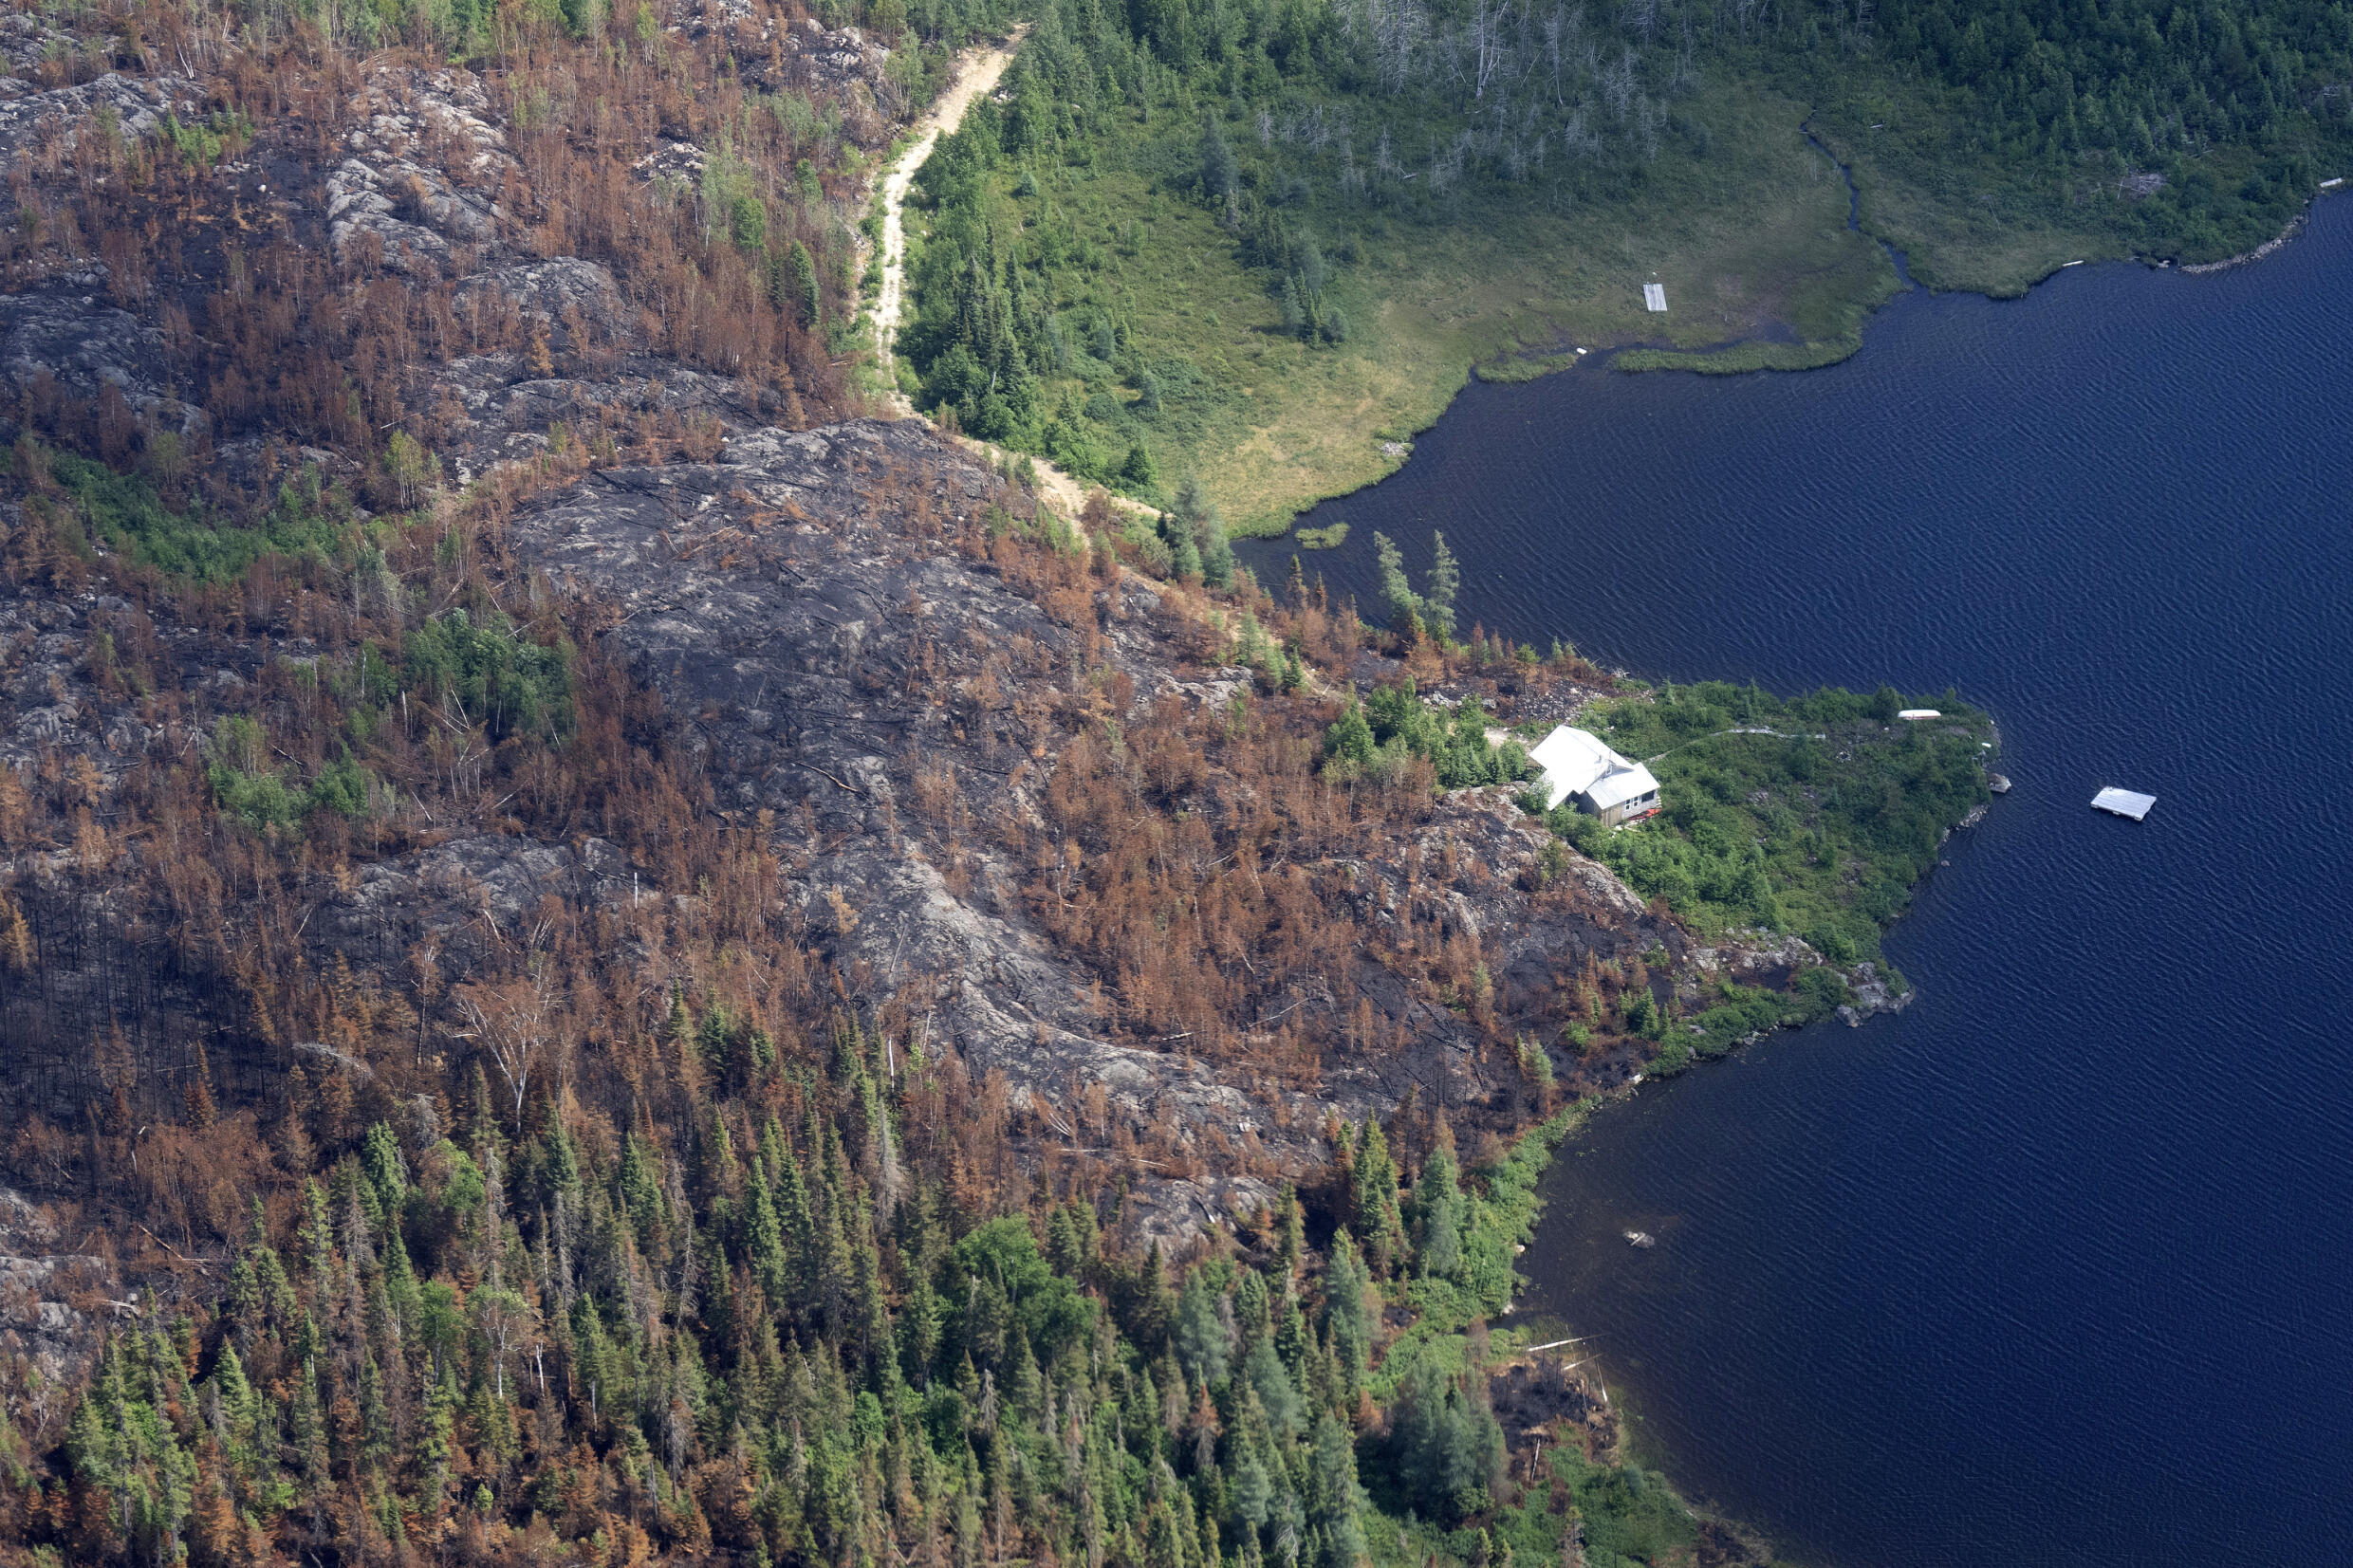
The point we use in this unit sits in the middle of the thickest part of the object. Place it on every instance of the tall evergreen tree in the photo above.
(1444, 582)
(1397, 591)
(800, 278)
(1198, 1333)
(764, 1243)
(1377, 1218)
(1221, 175)
(1437, 1212)
(1347, 1315)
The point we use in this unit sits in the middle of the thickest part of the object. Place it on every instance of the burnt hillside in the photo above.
(435, 347)
(535, 835)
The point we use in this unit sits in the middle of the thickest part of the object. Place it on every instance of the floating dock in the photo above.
(2124, 802)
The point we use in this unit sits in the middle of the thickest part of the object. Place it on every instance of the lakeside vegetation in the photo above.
(1149, 317)
(1995, 142)
(1258, 242)
(1812, 814)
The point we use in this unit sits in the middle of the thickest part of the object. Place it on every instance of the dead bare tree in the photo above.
(1488, 45)
(513, 1022)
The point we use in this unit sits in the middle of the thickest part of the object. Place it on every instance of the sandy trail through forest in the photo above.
(977, 74)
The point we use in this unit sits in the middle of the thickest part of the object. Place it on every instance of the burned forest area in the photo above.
(607, 957)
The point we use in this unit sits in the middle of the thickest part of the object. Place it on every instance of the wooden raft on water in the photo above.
(2124, 802)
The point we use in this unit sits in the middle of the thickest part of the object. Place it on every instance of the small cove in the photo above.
(2052, 1267)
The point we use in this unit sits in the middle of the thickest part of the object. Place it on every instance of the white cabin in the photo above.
(1578, 767)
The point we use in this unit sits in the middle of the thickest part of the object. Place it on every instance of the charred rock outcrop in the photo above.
(931, 756)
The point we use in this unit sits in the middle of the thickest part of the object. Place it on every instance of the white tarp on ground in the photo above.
(2124, 802)
(1655, 296)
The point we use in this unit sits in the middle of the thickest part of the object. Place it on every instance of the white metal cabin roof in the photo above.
(1630, 782)
(1571, 760)
(1577, 762)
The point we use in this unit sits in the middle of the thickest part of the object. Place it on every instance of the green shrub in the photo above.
(126, 513)
(246, 787)
(509, 684)
(1394, 724)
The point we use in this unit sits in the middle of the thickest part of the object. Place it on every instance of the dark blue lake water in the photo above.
(2054, 1268)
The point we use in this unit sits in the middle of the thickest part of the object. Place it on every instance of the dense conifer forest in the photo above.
(842, 1329)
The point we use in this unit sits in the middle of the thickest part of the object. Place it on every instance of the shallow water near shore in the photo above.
(2054, 1268)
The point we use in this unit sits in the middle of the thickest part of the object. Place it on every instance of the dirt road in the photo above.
(978, 73)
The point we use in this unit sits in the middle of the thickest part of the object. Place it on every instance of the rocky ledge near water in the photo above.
(1874, 994)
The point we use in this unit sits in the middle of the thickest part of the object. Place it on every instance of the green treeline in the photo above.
(782, 1337)
(2049, 89)
(1319, 136)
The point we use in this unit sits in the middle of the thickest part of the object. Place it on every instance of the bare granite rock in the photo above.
(127, 106)
(426, 162)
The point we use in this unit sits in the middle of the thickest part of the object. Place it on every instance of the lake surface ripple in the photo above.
(2054, 1268)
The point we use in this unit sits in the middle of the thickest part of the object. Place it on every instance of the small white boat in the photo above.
(1642, 1238)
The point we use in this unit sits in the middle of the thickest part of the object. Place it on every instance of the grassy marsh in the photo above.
(1747, 242)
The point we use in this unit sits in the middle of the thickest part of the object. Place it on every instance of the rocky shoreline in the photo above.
(2274, 244)
(2268, 248)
